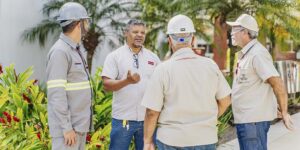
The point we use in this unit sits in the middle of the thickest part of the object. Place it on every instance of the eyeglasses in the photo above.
(135, 61)
(234, 31)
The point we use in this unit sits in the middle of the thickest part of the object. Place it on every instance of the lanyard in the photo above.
(89, 78)
(237, 65)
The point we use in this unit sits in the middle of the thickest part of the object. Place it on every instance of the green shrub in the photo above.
(23, 113)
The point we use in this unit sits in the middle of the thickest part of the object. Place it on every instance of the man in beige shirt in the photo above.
(185, 95)
(255, 88)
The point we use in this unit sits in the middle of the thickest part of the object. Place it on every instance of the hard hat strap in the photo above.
(83, 29)
(181, 39)
(67, 22)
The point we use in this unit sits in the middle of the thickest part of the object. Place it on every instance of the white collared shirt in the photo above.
(127, 101)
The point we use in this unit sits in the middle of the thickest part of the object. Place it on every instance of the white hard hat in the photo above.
(180, 24)
(245, 21)
(70, 12)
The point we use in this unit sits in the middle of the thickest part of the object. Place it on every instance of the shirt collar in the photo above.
(130, 50)
(67, 40)
(248, 46)
(183, 51)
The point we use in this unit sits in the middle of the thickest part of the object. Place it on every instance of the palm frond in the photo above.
(51, 6)
(41, 31)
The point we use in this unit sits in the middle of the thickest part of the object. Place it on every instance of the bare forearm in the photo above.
(223, 104)
(280, 93)
(150, 123)
(221, 110)
(282, 101)
(114, 85)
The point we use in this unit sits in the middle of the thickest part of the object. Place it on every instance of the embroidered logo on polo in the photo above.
(150, 63)
(243, 78)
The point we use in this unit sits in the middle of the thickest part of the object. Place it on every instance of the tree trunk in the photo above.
(90, 42)
(220, 41)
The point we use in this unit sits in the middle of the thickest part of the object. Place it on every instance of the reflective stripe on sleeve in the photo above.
(68, 86)
(78, 86)
(56, 83)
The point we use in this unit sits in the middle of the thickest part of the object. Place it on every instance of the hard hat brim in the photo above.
(61, 19)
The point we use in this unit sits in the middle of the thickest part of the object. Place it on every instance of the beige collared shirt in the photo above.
(126, 104)
(184, 90)
(253, 99)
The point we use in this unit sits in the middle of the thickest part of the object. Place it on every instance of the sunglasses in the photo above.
(135, 61)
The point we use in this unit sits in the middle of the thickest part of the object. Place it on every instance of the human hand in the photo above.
(133, 78)
(70, 138)
(287, 120)
(149, 146)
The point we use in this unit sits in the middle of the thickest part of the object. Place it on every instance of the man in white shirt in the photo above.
(126, 72)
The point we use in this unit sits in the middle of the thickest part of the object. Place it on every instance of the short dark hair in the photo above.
(134, 22)
(70, 27)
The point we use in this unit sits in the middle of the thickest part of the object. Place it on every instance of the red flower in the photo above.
(16, 119)
(8, 118)
(6, 113)
(26, 98)
(38, 135)
(88, 138)
(98, 146)
(2, 120)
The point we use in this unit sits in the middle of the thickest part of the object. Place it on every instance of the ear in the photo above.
(170, 44)
(194, 41)
(125, 33)
(78, 25)
(170, 41)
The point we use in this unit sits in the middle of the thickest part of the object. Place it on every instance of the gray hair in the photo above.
(252, 34)
(134, 22)
(187, 38)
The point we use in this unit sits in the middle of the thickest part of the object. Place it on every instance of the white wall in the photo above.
(15, 17)
(19, 15)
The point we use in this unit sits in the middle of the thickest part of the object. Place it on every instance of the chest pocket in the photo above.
(245, 76)
(77, 68)
(78, 65)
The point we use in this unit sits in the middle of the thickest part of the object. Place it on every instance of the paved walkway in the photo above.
(279, 138)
